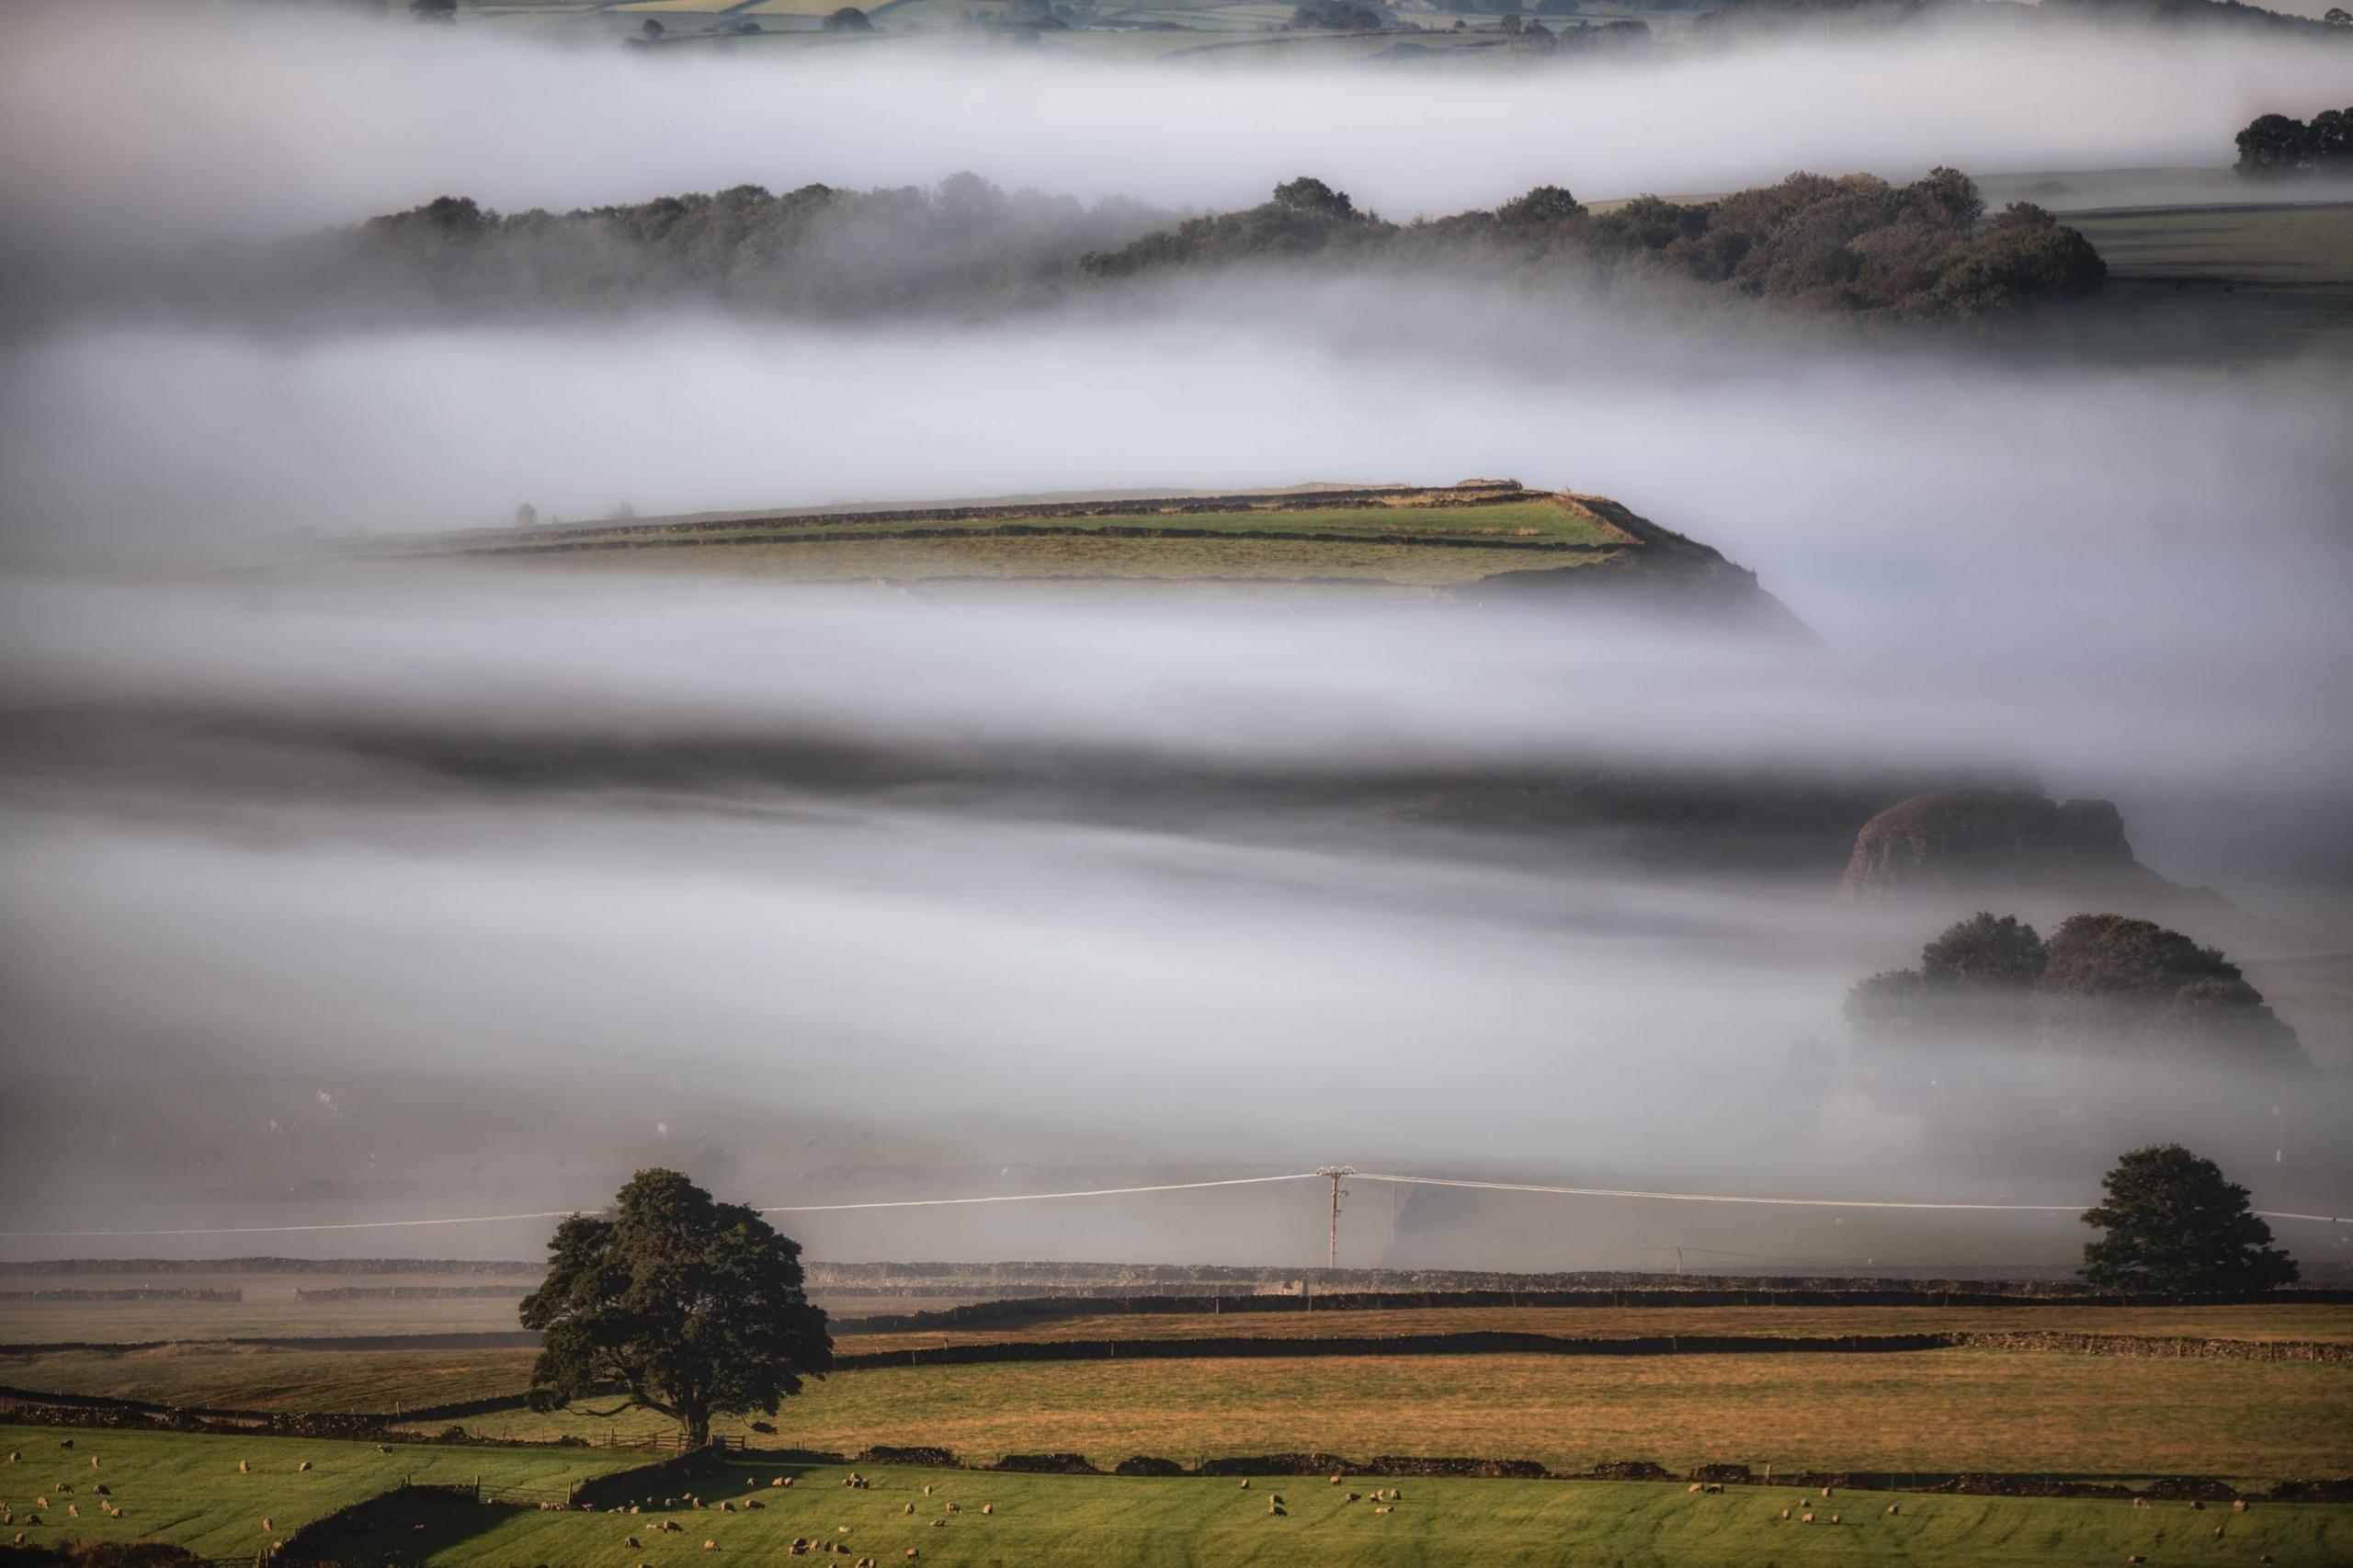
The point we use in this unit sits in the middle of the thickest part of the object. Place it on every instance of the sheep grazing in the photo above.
(1245, 1484)
(2196, 1505)
(926, 1487)
(2218, 1532)
(384, 1448)
(1349, 1498)
(988, 1507)
(2139, 1502)
(2238, 1505)
(94, 1461)
(66, 1444)
(1895, 1507)
(755, 1502)
(244, 1469)
(1276, 1498)
(1834, 1518)
(955, 1507)
(40, 1502)
(1826, 1492)
(1785, 1513)
(631, 1543)
(908, 1509)
(2136, 1557)
(1336, 1480)
(303, 1466)
(843, 1530)
(939, 1524)
(1693, 1487)
(781, 1481)
(103, 1491)
(266, 1524)
(727, 1508)
(1384, 1508)
(74, 1511)
(1806, 1518)
(711, 1546)
(913, 1554)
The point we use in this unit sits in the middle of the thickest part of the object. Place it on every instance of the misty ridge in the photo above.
(1926, 251)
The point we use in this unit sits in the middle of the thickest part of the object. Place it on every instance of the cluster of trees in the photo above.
(962, 245)
(2102, 983)
(1855, 244)
(2273, 146)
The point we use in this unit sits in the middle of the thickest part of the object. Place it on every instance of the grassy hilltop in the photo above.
(1479, 540)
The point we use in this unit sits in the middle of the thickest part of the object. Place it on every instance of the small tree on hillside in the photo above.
(682, 1305)
(2176, 1226)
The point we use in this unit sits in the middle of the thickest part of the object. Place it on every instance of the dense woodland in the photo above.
(1855, 246)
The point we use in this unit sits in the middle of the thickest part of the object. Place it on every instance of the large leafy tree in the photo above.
(2176, 1225)
(681, 1304)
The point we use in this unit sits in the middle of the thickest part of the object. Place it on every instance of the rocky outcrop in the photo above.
(1993, 839)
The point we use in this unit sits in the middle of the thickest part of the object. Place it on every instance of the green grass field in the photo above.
(1082, 556)
(1936, 1410)
(1405, 539)
(186, 1489)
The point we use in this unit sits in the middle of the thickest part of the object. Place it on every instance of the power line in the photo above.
(1785, 1202)
(1327, 1173)
(568, 1213)
(1032, 1196)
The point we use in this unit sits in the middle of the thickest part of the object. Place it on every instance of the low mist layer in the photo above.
(138, 125)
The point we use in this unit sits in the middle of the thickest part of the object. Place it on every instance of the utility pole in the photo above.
(1335, 1173)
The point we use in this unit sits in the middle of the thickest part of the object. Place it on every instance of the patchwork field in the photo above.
(1934, 1411)
(186, 1489)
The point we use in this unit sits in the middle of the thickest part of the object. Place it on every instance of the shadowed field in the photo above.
(2298, 1321)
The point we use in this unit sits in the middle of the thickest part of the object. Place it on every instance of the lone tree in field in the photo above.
(682, 1305)
(2176, 1226)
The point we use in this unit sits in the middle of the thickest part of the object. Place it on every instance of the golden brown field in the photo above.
(1937, 1411)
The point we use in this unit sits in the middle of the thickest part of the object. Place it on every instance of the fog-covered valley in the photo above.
(340, 883)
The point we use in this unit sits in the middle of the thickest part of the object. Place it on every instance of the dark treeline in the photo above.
(1852, 245)
(2275, 146)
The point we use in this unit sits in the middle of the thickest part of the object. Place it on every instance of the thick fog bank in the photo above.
(124, 123)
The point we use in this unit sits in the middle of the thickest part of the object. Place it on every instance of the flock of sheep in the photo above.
(1806, 1511)
(101, 1495)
